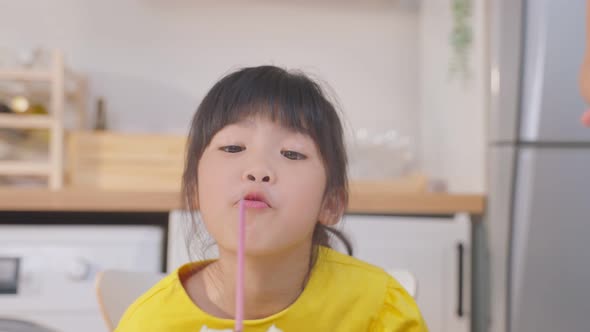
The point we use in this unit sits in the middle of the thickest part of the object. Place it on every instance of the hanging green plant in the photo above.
(461, 38)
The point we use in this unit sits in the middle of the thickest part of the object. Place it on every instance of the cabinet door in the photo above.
(183, 244)
(178, 252)
(429, 248)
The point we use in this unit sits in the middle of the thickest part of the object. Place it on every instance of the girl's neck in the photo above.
(272, 283)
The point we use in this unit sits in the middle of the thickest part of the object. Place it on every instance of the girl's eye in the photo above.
(293, 155)
(232, 148)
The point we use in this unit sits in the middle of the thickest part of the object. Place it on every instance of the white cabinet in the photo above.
(179, 227)
(429, 249)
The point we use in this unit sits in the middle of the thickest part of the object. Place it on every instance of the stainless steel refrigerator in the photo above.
(538, 218)
(539, 178)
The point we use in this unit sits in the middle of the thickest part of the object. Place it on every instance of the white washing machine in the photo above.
(47, 272)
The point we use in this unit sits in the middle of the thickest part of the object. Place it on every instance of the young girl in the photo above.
(271, 137)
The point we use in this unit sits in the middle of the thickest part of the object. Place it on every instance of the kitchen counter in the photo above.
(368, 198)
(77, 206)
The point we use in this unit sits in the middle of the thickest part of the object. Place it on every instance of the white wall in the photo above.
(453, 110)
(153, 60)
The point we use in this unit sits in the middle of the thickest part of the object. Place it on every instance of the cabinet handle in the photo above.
(9, 269)
(460, 250)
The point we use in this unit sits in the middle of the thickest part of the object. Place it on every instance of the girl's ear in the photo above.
(332, 209)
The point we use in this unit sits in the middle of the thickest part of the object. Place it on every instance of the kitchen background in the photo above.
(412, 80)
(153, 60)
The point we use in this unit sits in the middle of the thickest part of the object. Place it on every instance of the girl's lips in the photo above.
(255, 204)
(256, 200)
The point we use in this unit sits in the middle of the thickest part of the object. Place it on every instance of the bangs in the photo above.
(285, 98)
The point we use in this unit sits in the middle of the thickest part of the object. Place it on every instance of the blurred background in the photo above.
(467, 158)
(152, 61)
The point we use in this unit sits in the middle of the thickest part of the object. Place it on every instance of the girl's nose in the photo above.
(253, 178)
(259, 176)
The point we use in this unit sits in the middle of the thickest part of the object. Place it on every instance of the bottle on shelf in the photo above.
(101, 117)
(4, 108)
(19, 104)
(24, 105)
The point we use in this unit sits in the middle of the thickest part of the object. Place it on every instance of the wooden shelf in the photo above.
(22, 121)
(24, 168)
(56, 76)
(80, 200)
(361, 202)
(24, 75)
(383, 197)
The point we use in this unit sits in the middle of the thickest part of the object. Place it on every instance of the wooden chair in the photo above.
(406, 279)
(116, 290)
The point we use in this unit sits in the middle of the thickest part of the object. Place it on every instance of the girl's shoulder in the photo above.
(335, 257)
(385, 300)
(337, 264)
(167, 298)
(397, 310)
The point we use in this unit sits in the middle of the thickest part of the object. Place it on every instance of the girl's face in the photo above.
(260, 159)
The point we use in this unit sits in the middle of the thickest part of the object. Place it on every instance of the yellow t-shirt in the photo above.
(343, 294)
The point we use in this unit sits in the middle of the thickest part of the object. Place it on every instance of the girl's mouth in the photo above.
(255, 204)
(256, 201)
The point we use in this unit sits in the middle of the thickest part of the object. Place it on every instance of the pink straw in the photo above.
(240, 273)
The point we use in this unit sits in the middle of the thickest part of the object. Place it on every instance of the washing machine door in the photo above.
(17, 325)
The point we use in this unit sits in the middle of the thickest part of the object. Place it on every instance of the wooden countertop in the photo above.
(364, 198)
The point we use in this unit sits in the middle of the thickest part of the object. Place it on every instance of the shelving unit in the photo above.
(25, 168)
(56, 76)
(25, 121)
(25, 75)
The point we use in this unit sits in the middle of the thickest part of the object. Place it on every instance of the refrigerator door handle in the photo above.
(460, 281)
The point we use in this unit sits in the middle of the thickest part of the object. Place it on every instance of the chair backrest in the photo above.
(406, 279)
(116, 290)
